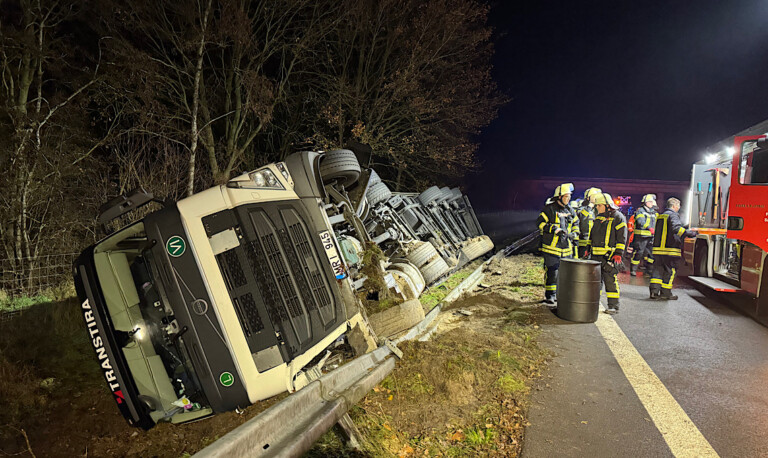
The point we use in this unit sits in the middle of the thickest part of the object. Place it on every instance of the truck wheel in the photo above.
(433, 270)
(477, 247)
(411, 272)
(447, 194)
(456, 194)
(378, 193)
(397, 319)
(422, 254)
(407, 288)
(700, 260)
(374, 178)
(340, 166)
(430, 195)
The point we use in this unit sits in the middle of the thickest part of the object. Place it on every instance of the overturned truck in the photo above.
(229, 296)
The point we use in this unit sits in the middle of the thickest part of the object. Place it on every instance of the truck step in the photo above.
(715, 284)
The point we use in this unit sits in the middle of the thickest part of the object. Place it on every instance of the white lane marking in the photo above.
(682, 436)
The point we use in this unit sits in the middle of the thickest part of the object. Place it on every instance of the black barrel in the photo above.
(578, 290)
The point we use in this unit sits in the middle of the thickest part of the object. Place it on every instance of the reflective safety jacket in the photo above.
(670, 233)
(553, 216)
(609, 234)
(586, 216)
(645, 219)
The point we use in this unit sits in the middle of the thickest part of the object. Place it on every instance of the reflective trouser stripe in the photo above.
(551, 287)
(635, 262)
(649, 260)
(656, 280)
(668, 285)
(615, 295)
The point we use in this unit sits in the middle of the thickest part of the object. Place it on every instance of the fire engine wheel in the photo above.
(397, 318)
(477, 247)
(434, 269)
(430, 195)
(413, 273)
(375, 178)
(422, 254)
(340, 166)
(456, 194)
(378, 193)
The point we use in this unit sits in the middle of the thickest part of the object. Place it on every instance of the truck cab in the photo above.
(218, 300)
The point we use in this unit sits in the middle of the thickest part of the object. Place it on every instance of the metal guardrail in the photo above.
(292, 426)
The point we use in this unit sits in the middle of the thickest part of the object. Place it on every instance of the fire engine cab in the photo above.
(728, 206)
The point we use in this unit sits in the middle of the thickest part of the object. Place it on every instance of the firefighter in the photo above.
(586, 216)
(645, 223)
(667, 244)
(575, 205)
(559, 228)
(608, 242)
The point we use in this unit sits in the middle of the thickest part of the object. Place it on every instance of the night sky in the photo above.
(620, 89)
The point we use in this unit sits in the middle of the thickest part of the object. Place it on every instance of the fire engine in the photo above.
(727, 206)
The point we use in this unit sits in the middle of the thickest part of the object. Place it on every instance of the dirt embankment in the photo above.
(464, 392)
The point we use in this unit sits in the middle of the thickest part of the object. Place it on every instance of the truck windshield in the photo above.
(754, 164)
(146, 329)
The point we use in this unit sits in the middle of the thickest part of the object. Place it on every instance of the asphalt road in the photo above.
(712, 360)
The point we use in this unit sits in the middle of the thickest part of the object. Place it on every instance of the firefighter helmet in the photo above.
(649, 198)
(591, 191)
(565, 188)
(605, 199)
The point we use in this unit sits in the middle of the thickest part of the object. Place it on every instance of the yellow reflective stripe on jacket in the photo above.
(599, 250)
(621, 246)
(666, 251)
(680, 231)
(585, 242)
(644, 232)
(620, 226)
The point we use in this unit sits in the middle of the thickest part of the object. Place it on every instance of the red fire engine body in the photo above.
(728, 206)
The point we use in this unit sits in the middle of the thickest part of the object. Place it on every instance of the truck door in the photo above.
(747, 211)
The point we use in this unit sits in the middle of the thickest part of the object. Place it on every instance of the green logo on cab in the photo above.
(226, 379)
(175, 246)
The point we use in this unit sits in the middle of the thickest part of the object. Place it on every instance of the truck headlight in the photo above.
(265, 179)
(284, 170)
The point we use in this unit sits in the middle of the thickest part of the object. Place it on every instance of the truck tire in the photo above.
(397, 319)
(433, 270)
(430, 195)
(476, 248)
(374, 178)
(422, 254)
(378, 193)
(340, 166)
(411, 272)
(447, 194)
(456, 194)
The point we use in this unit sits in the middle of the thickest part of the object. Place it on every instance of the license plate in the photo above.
(333, 255)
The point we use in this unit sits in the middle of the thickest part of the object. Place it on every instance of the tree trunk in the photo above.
(196, 103)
